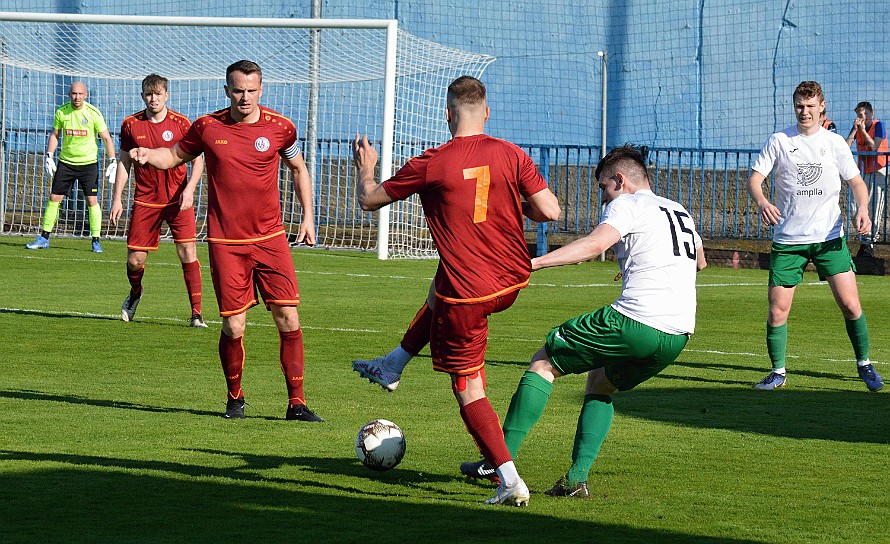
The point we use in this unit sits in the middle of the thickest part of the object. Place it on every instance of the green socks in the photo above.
(51, 215)
(526, 407)
(776, 344)
(594, 423)
(95, 220)
(528, 404)
(857, 330)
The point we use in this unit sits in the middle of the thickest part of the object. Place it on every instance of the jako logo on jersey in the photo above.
(167, 135)
(221, 142)
(261, 144)
(808, 174)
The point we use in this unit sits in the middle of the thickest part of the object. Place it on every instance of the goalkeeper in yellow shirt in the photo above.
(78, 123)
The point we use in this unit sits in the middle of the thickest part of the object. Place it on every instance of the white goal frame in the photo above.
(389, 77)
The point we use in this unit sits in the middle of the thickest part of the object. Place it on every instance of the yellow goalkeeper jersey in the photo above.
(78, 130)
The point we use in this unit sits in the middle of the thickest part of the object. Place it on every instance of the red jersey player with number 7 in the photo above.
(249, 251)
(472, 190)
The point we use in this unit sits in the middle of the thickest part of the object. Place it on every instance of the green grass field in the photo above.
(111, 431)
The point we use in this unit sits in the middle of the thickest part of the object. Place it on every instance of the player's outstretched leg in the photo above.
(380, 371)
(386, 371)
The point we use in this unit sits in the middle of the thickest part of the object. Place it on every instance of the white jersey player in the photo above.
(621, 345)
(807, 172)
(808, 163)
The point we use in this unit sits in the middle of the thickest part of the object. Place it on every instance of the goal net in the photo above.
(333, 78)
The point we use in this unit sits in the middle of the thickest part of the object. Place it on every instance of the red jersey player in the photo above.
(249, 251)
(472, 190)
(160, 196)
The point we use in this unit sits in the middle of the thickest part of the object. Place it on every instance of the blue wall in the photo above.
(701, 74)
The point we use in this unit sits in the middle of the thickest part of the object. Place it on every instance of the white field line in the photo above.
(31, 256)
(142, 317)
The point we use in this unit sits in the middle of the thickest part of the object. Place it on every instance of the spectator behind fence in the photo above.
(871, 135)
(826, 123)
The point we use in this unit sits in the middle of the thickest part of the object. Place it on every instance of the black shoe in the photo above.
(481, 470)
(866, 250)
(234, 409)
(564, 489)
(302, 413)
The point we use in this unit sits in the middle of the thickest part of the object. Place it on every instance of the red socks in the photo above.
(484, 426)
(292, 364)
(191, 272)
(135, 279)
(231, 355)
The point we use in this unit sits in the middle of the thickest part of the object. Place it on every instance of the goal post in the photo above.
(333, 77)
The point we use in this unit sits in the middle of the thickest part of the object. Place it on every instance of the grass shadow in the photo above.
(844, 416)
(100, 500)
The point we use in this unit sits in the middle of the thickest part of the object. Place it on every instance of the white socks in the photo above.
(508, 474)
(398, 358)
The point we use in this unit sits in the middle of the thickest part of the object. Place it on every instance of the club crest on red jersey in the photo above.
(261, 144)
(167, 135)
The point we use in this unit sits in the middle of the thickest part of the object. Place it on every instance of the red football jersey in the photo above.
(155, 187)
(242, 161)
(471, 189)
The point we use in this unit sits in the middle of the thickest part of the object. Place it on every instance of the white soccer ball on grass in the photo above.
(380, 445)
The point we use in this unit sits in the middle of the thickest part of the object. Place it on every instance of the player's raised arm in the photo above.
(162, 158)
(303, 188)
(371, 195)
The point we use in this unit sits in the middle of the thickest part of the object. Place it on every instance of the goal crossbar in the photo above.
(392, 89)
(160, 20)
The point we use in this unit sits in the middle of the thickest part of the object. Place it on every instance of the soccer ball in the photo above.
(380, 445)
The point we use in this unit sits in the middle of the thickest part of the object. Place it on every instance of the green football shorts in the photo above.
(630, 351)
(788, 261)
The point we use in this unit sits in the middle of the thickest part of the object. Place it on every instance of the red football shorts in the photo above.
(146, 222)
(459, 334)
(239, 271)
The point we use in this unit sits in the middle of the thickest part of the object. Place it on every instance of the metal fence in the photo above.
(710, 183)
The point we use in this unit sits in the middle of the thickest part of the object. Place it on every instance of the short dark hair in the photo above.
(153, 82)
(246, 67)
(864, 106)
(466, 90)
(626, 158)
(809, 89)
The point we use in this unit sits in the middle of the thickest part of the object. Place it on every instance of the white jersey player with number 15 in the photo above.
(657, 255)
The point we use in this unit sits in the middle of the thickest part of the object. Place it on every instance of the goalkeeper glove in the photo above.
(111, 171)
(49, 166)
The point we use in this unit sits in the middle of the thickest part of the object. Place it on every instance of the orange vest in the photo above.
(868, 163)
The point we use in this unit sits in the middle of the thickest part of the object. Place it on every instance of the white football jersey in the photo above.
(807, 172)
(657, 257)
